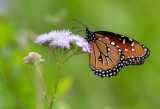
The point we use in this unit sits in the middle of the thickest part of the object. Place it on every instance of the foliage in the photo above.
(135, 87)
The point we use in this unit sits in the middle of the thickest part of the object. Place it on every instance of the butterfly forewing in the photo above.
(106, 59)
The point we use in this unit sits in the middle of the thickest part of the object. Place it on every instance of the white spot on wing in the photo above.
(126, 49)
(130, 39)
(124, 41)
(145, 50)
(106, 37)
(133, 49)
(132, 44)
(112, 43)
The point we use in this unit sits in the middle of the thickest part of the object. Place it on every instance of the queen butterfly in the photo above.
(111, 52)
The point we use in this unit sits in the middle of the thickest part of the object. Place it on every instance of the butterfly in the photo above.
(110, 52)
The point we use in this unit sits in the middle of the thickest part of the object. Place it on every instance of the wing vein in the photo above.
(94, 54)
(108, 44)
(103, 53)
(100, 53)
(113, 56)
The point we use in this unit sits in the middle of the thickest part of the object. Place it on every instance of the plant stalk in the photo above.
(56, 85)
(44, 86)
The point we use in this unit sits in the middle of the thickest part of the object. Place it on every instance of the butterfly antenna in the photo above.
(77, 27)
(79, 31)
(80, 22)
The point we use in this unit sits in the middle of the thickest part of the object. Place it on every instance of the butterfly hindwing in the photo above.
(135, 53)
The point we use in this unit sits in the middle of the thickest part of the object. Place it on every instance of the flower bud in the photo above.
(32, 58)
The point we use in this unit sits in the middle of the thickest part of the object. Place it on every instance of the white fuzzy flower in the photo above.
(64, 39)
(32, 58)
(80, 42)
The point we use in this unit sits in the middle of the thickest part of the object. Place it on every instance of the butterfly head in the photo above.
(89, 35)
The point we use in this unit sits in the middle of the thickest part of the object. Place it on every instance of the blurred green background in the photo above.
(135, 87)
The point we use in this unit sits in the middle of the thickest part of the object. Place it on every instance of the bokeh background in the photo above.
(135, 87)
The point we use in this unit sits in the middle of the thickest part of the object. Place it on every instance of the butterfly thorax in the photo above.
(90, 36)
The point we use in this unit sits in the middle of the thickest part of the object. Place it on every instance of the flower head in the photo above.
(80, 42)
(32, 58)
(63, 39)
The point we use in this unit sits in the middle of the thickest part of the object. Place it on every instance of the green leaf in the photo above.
(64, 84)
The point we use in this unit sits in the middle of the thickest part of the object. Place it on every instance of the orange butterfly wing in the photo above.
(135, 53)
(106, 59)
(111, 52)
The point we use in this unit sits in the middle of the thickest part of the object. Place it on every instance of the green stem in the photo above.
(44, 86)
(67, 58)
(55, 86)
(74, 52)
(60, 62)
